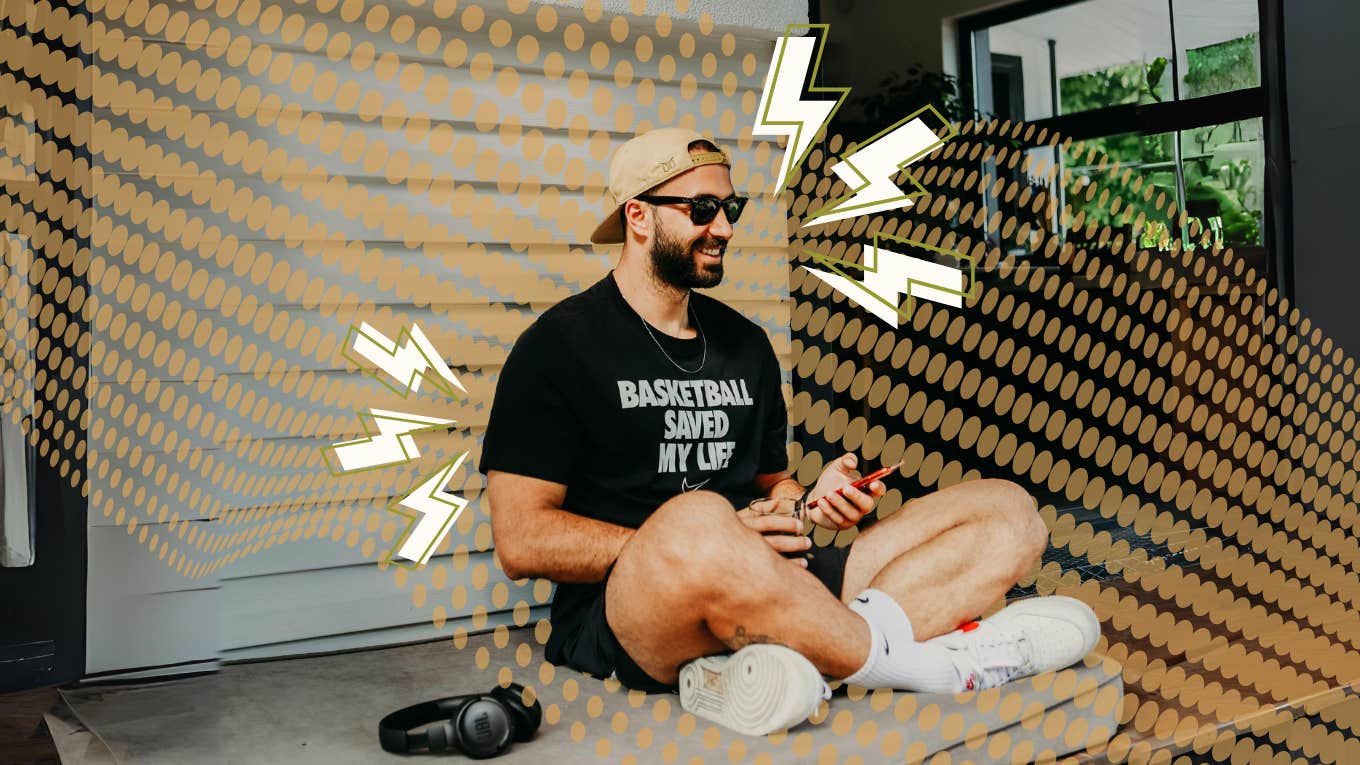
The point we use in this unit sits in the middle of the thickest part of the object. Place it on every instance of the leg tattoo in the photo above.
(742, 639)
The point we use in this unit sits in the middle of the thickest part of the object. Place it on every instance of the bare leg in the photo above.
(947, 556)
(694, 581)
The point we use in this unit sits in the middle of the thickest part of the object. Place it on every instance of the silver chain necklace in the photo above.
(702, 359)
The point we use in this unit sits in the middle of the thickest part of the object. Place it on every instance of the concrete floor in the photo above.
(325, 709)
(73, 742)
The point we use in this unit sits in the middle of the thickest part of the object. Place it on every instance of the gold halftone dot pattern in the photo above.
(280, 272)
(1155, 368)
(1206, 488)
(163, 415)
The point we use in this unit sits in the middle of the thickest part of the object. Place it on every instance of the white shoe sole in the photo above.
(759, 689)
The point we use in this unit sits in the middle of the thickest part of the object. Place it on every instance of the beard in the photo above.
(677, 264)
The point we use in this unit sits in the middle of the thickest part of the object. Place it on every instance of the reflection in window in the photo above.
(1224, 169)
(1104, 87)
(1102, 53)
(1222, 67)
(1151, 157)
(1084, 65)
(1085, 56)
(1218, 46)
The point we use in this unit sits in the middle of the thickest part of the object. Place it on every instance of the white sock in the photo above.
(896, 660)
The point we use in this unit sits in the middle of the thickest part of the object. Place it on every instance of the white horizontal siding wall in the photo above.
(486, 258)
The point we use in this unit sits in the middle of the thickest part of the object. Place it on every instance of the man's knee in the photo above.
(1017, 512)
(698, 544)
(694, 514)
(694, 507)
(688, 530)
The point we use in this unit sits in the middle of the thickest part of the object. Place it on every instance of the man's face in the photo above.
(685, 255)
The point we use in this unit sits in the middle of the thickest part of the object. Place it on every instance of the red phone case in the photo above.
(882, 472)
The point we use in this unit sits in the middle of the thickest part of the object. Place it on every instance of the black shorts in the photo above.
(602, 649)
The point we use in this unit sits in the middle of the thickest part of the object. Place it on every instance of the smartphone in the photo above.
(882, 472)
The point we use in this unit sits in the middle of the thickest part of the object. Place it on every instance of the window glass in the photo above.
(1107, 87)
(1150, 157)
(1103, 53)
(1219, 46)
(1224, 168)
(1098, 53)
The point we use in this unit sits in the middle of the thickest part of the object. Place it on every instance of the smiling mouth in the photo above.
(712, 251)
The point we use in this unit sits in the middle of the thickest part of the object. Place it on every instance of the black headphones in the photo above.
(481, 725)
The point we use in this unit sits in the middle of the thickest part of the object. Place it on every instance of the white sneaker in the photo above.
(1035, 635)
(759, 689)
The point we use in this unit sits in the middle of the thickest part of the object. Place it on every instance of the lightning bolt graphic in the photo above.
(435, 513)
(783, 110)
(409, 360)
(888, 275)
(869, 170)
(391, 445)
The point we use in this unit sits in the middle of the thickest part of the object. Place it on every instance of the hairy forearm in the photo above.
(561, 546)
(787, 488)
(778, 485)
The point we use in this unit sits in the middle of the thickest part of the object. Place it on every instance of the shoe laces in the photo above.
(996, 657)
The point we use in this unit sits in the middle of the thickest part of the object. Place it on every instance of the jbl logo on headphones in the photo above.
(482, 725)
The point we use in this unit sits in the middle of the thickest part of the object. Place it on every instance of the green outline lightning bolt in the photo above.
(783, 110)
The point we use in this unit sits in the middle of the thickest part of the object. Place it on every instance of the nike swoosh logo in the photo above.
(861, 600)
(684, 484)
(887, 647)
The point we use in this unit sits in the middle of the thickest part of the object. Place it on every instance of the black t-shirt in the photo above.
(588, 399)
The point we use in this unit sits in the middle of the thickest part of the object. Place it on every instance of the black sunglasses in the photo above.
(702, 210)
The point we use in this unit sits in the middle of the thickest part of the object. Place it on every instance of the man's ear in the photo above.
(636, 217)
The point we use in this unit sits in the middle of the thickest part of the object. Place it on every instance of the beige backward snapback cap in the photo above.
(646, 161)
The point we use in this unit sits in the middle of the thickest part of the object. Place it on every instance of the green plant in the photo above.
(1096, 90)
(1202, 137)
(1222, 67)
(1226, 190)
(1153, 77)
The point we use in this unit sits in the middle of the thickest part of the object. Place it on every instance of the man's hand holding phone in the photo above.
(840, 498)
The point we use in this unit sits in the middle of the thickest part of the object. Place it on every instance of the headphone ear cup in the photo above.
(485, 727)
(527, 717)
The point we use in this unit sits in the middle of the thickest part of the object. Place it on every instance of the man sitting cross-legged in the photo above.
(633, 426)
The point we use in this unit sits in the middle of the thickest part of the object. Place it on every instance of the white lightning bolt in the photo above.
(391, 445)
(435, 513)
(407, 363)
(870, 169)
(888, 275)
(783, 110)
